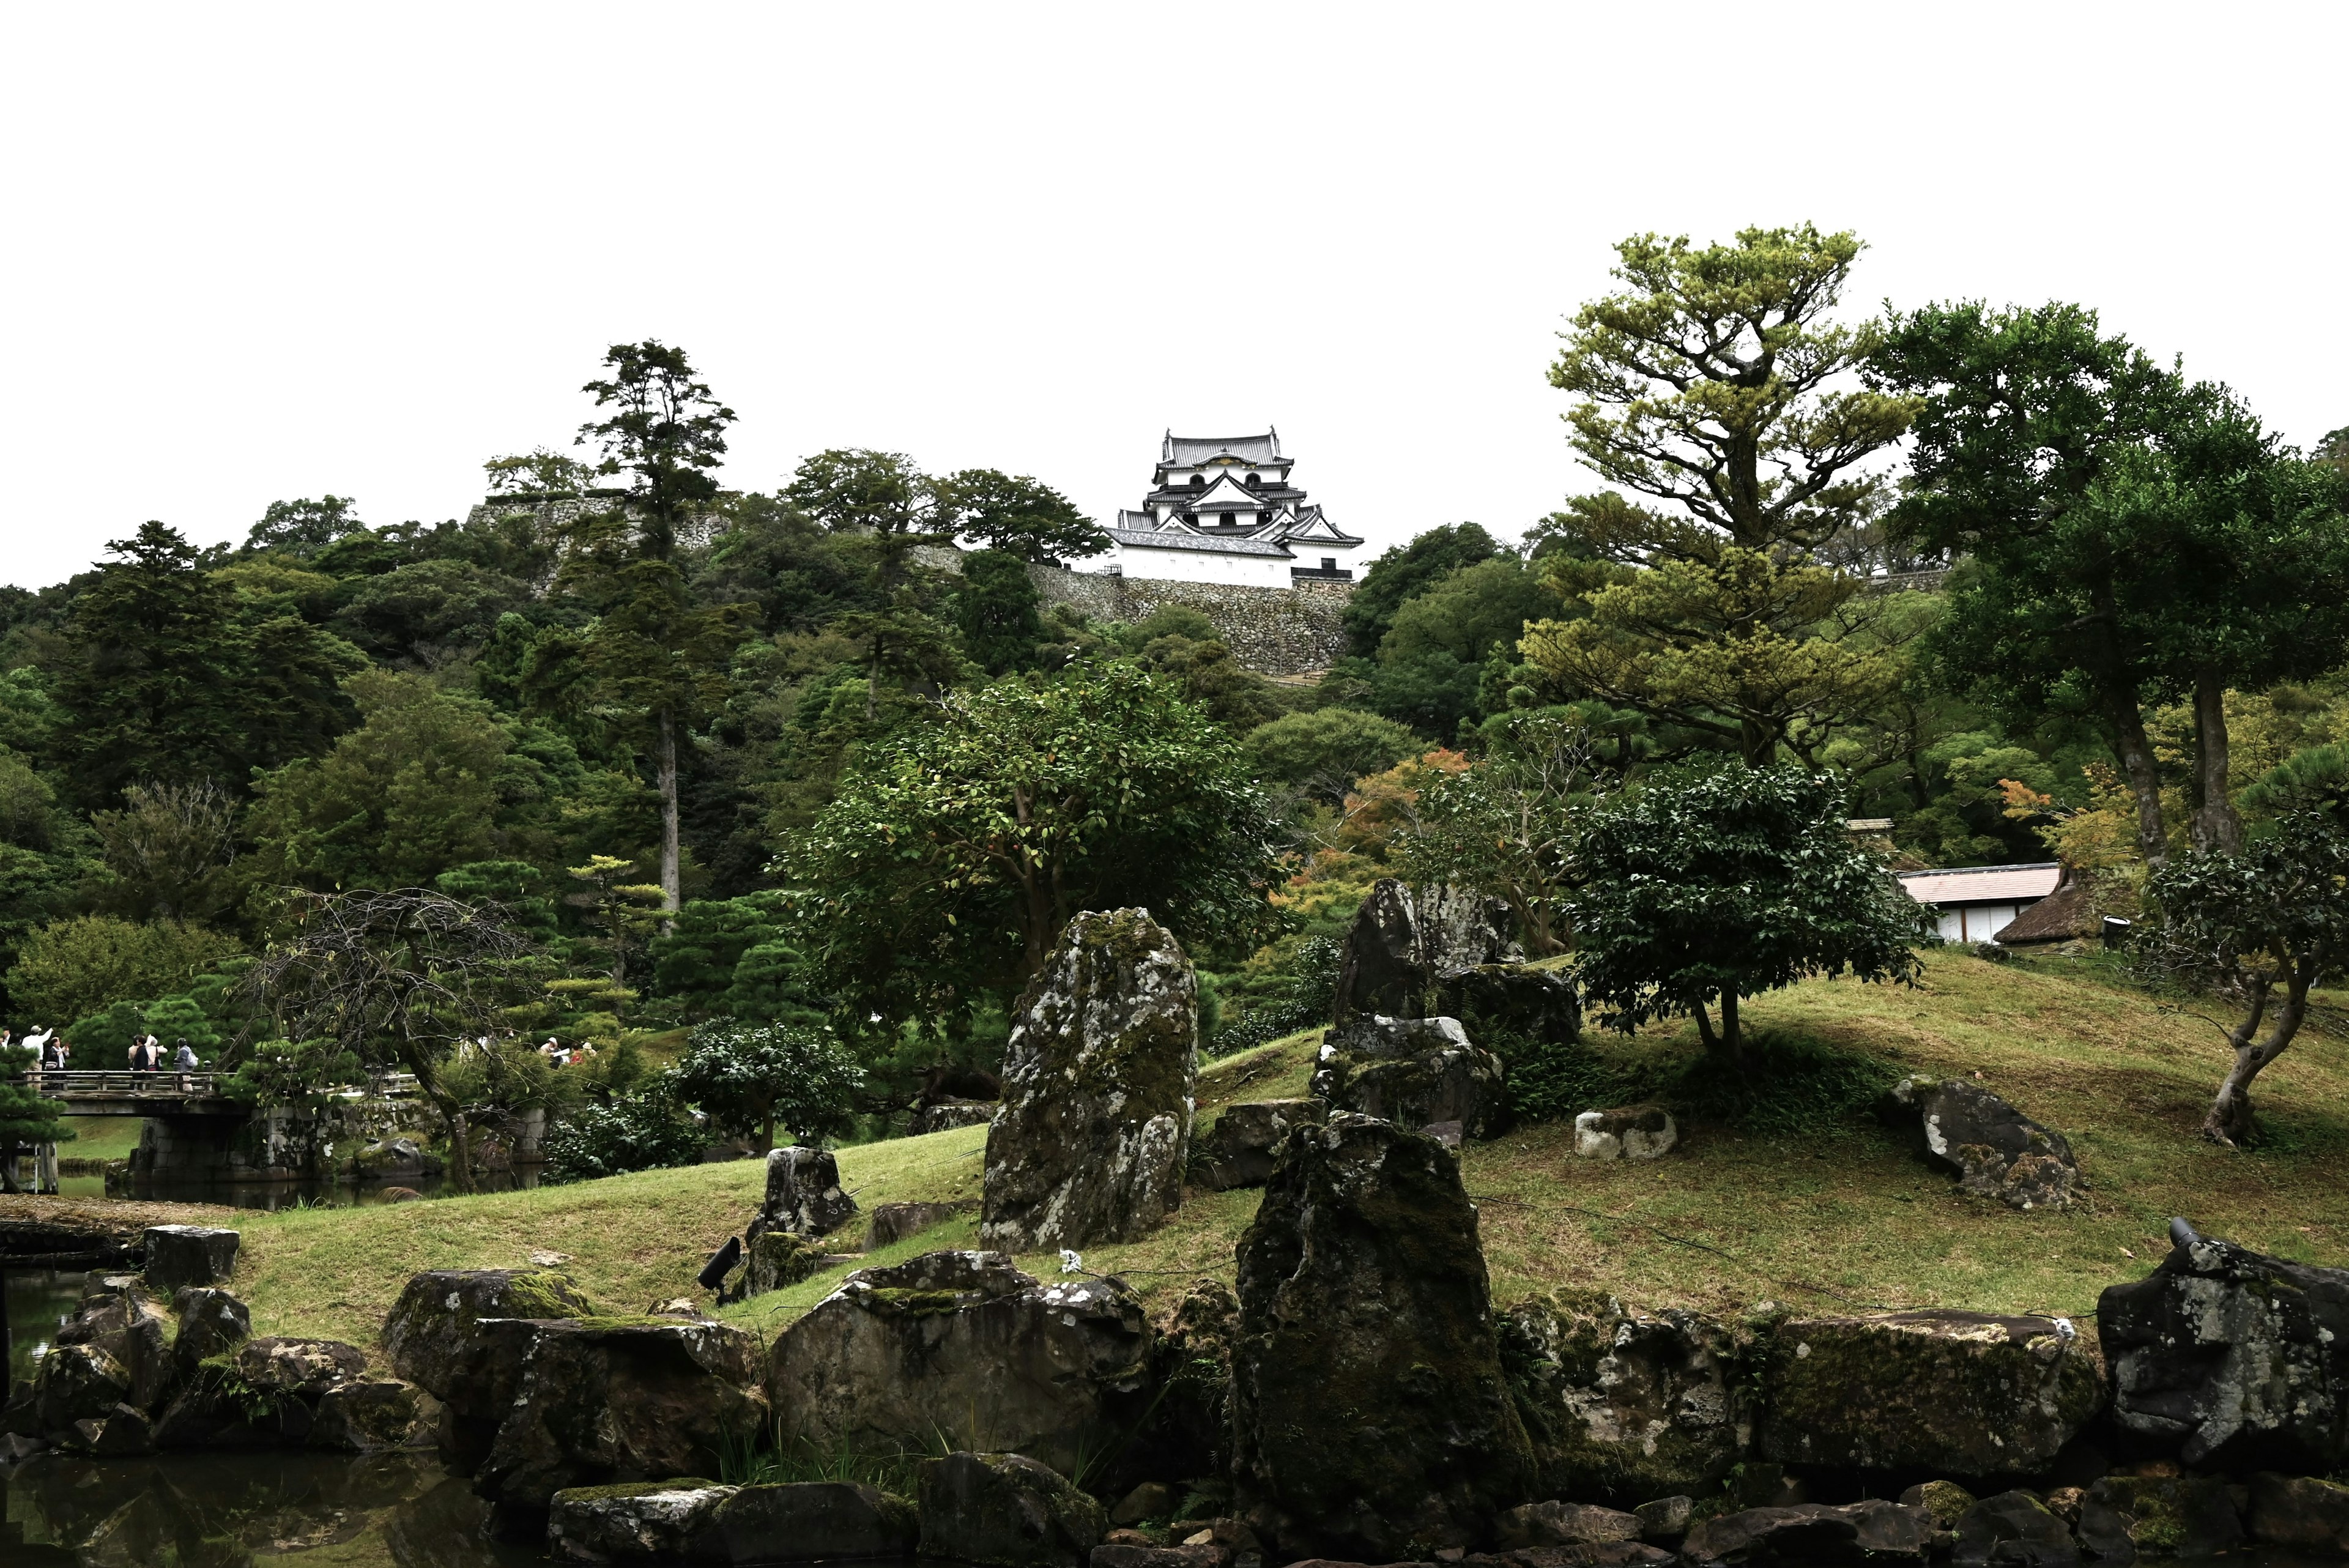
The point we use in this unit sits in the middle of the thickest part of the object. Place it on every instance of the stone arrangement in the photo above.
(1992, 1149)
(1094, 1132)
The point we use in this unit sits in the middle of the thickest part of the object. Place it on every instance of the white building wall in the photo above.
(1976, 922)
(1203, 566)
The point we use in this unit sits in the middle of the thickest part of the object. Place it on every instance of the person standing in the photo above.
(183, 1062)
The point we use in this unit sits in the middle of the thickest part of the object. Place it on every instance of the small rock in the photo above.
(16, 1448)
(1151, 1500)
(1126, 1538)
(187, 1255)
(941, 1116)
(2125, 1517)
(895, 1222)
(75, 1383)
(284, 1365)
(1006, 1510)
(639, 1521)
(1995, 1149)
(2301, 1513)
(2014, 1530)
(211, 1322)
(542, 1259)
(1375, 1037)
(808, 1522)
(127, 1433)
(1945, 1500)
(1238, 1150)
(678, 1306)
(1565, 1524)
(803, 1193)
(1630, 1132)
(1663, 1522)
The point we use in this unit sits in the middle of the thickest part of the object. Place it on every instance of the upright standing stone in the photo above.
(803, 1194)
(1369, 1417)
(1095, 1126)
(1406, 939)
(180, 1255)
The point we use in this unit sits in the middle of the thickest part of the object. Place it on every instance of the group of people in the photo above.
(48, 1045)
(554, 1051)
(54, 1054)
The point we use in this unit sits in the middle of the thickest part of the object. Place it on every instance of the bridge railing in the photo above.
(120, 1082)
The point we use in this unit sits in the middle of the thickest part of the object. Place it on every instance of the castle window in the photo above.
(1198, 479)
(1329, 563)
(1254, 480)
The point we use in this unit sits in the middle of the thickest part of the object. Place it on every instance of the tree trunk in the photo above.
(2231, 1121)
(2135, 756)
(1733, 1036)
(2216, 825)
(670, 839)
(767, 1137)
(1704, 1028)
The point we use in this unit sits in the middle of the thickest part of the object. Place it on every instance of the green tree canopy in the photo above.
(955, 852)
(82, 966)
(1405, 571)
(1324, 751)
(995, 610)
(1020, 517)
(1700, 887)
(750, 1079)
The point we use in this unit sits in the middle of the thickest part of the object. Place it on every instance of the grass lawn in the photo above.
(1819, 1213)
(101, 1138)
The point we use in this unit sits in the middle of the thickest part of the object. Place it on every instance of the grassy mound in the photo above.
(1783, 1188)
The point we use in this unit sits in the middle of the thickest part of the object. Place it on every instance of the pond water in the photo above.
(210, 1509)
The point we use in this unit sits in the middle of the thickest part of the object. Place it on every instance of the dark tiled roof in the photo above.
(1189, 452)
(1218, 544)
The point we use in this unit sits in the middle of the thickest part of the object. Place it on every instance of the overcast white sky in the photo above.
(256, 252)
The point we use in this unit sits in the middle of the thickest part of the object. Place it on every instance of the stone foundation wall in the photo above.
(1273, 631)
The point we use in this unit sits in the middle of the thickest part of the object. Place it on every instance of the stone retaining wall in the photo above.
(1273, 631)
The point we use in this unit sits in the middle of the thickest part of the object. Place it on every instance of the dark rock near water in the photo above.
(605, 1400)
(1131, 1554)
(1238, 1150)
(1556, 1523)
(211, 1322)
(1813, 1533)
(282, 1366)
(1622, 1403)
(1959, 1393)
(1407, 939)
(809, 1522)
(642, 1521)
(1995, 1149)
(75, 1383)
(2012, 1528)
(1414, 1071)
(1369, 1414)
(1664, 1521)
(1007, 1511)
(1098, 1081)
(117, 1317)
(949, 1342)
(180, 1255)
(2229, 1358)
(462, 1336)
(1946, 1501)
(1188, 1431)
(2301, 1513)
(803, 1194)
(2127, 1517)
(370, 1415)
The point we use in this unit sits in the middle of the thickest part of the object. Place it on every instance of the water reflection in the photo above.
(34, 1304)
(231, 1510)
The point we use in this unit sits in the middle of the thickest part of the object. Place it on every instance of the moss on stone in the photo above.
(634, 1489)
(909, 1302)
(545, 1293)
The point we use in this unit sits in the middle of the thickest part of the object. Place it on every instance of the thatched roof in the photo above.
(2058, 917)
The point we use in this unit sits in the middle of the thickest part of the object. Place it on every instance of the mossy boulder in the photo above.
(2127, 1517)
(2012, 1530)
(370, 1415)
(74, 1383)
(118, 1316)
(1992, 1149)
(1957, 1393)
(809, 1522)
(211, 1322)
(965, 1345)
(1238, 1150)
(1098, 1083)
(1626, 1405)
(178, 1255)
(613, 1400)
(1407, 940)
(2229, 1358)
(1813, 1533)
(1414, 1071)
(774, 1260)
(1188, 1430)
(462, 1335)
(1370, 1418)
(2301, 1513)
(1006, 1510)
(645, 1521)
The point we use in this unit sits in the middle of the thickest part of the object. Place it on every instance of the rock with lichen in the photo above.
(804, 1195)
(1414, 1071)
(967, 1347)
(1005, 1510)
(1623, 1404)
(1992, 1149)
(1957, 1393)
(1409, 940)
(462, 1335)
(2229, 1358)
(2125, 1517)
(1097, 1081)
(1370, 1418)
(1238, 1149)
(607, 1399)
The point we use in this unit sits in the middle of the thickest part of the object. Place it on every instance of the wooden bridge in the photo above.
(120, 1091)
